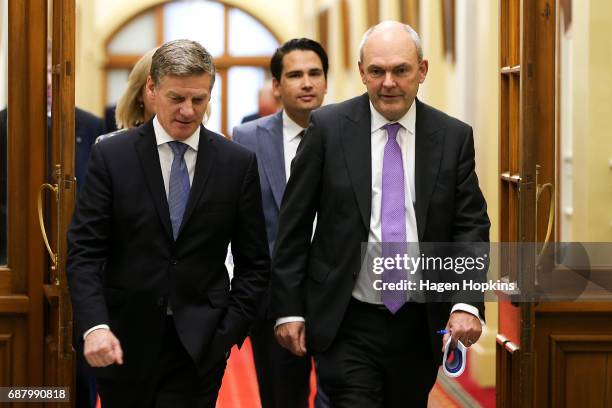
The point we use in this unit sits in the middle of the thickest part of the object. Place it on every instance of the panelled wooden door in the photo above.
(549, 354)
(527, 153)
(35, 315)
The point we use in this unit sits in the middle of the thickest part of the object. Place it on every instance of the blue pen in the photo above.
(442, 331)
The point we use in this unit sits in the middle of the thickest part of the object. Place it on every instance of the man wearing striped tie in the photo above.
(147, 246)
(379, 168)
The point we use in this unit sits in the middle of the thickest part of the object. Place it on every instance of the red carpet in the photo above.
(239, 388)
(484, 396)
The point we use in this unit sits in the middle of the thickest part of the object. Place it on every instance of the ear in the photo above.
(423, 68)
(276, 88)
(361, 72)
(150, 87)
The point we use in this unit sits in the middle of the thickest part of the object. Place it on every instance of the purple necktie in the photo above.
(393, 217)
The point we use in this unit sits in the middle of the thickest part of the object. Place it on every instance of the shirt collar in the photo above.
(291, 130)
(407, 121)
(163, 137)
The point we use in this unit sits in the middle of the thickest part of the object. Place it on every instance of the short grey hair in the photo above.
(413, 34)
(182, 58)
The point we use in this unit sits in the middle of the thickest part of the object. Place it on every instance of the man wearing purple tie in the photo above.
(380, 168)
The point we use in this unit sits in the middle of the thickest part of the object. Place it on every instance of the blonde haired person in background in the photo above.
(134, 107)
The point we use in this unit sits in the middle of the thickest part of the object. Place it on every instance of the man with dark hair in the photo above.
(379, 168)
(300, 44)
(299, 70)
(148, 242)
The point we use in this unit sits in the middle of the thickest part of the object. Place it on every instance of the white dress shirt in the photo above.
(291, 141)
(364, 285)
(166, 156)
(363, 289)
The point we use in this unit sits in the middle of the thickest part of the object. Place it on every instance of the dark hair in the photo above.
(304, 44)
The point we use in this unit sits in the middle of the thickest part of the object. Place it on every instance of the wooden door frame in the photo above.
(537, 143)
(21, 281)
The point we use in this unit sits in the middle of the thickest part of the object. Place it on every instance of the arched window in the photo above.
(240, 44)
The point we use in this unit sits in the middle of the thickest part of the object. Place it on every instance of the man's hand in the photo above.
(292, 336)
(462, 326)
(102, 348)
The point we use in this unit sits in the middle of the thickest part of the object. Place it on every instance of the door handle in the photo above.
(53, 189)
(56, 190)
(540, 189)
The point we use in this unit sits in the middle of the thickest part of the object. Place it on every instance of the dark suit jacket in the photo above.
(87, 127)
(110, 123)
(251, 117)
(332, 177)
(124, 265)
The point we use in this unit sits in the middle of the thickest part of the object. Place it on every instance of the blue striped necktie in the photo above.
(178, 190)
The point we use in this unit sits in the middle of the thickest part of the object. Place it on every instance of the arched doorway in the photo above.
(241, 45)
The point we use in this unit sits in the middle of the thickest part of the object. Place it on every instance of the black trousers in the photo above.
(175, 382)
(284, 378)
(379, 360)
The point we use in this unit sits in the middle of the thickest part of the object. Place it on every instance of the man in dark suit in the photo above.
(299, 70)
(148, 241)
(109, 118)
(382, 167)
(87, 127)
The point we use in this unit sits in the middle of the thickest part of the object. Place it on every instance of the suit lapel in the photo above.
(203, 168)
(146, 148)
(356, 143)
(271, 155)
(428, 154)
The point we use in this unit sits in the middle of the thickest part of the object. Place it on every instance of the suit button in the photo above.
(173, 261)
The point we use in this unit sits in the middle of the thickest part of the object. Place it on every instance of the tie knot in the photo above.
(178, 148)
(392, 129)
